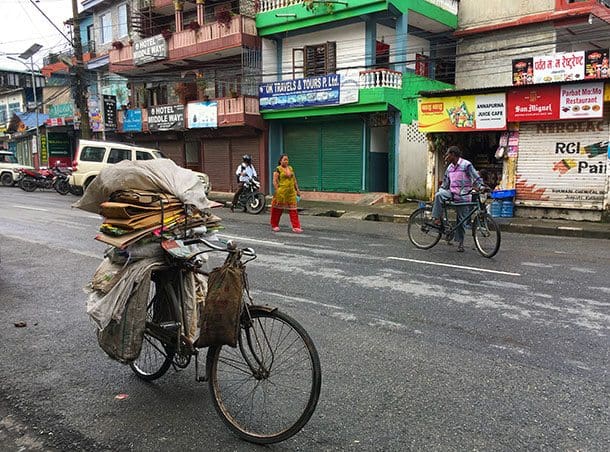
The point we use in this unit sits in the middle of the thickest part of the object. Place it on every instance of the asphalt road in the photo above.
(431, 350)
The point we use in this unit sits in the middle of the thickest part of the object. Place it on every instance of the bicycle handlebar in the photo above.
(230, 248)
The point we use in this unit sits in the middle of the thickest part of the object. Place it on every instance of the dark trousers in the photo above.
(240, 189)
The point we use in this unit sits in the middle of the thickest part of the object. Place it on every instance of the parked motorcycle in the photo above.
(251, 199)
(63, 185)
(44, 179)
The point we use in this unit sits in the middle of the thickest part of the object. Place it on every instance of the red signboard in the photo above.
(540, 103)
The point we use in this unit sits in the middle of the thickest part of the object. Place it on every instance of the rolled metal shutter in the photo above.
(342, 150)
(216, 163)
(302, 144)
(240, 147)
(563, 164)
(173, 150)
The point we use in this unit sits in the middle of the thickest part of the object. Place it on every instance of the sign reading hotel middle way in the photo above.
(462, 113)
(547, 103)
(561, 67)
(149, 50)
(166, 117)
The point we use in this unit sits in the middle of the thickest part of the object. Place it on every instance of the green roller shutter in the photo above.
(326, 156)
(302, 144)
(342, 156)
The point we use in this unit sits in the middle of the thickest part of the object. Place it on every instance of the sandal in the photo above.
(276, 229)
(460, 248)
(297, 230)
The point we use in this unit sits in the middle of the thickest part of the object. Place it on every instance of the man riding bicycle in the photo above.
(458, 181)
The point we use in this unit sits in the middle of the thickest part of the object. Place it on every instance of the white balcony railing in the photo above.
(380, 78)
(268, 5)
(448, 5)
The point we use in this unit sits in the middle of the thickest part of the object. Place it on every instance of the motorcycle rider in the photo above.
(244, 172)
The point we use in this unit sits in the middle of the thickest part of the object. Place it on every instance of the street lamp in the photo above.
(29, 54)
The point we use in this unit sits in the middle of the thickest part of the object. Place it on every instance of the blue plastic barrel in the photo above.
(496, 208)
(507, 209)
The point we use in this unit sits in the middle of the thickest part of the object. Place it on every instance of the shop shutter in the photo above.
(342, 156)
(562, 164)
(240, 147)
(302, 144)
(216, 163)
(173, 150)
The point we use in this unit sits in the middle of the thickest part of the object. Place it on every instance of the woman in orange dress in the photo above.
(285, 196)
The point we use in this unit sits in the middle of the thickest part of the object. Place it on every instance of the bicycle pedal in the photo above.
(170, 326)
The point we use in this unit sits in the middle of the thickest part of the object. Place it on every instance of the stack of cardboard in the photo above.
(130, 216)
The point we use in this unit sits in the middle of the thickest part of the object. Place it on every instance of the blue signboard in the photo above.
(302, 92)
(132, 121)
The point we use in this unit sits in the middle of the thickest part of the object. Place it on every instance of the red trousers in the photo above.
(276, 214)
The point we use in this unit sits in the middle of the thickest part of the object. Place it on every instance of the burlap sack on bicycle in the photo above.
(220, 319)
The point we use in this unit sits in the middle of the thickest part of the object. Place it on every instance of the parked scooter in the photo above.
(251, 199)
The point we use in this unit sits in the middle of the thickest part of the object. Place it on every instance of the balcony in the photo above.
(212, 41)
(232, 112)
(280, 16)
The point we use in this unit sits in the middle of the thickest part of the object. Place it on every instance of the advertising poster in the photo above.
(202, 114)
(596, 64)
(582, 101)
(149, 50)
(349, 88)
(533, 104)
(132, 120)
(462, 113)
(95, 113)
(523, 71)
(166, 117)
(559, 67)
(303, 92)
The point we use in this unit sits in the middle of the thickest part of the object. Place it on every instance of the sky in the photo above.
(22, 25)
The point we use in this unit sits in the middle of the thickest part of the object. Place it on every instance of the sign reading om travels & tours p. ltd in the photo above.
(149, 50)
(301, 92)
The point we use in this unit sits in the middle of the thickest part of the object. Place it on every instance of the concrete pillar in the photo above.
(402, 30)
(200, 12)
(370, 43)
(178, 7)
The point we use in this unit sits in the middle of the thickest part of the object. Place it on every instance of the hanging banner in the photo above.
(109, 112)
(149, 50)
(166, 117)
(559, 67)
(202, 115)
(95, 113)
(462, 113)
(132, 120)
(302, 92)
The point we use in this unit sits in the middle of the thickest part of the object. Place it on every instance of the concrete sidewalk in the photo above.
(399, 213)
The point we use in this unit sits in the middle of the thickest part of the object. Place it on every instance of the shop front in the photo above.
(562, 169)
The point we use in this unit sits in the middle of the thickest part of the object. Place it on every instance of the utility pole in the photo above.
(81, 95)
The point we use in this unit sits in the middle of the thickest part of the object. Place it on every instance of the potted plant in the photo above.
(224, 18)
(193, 25)
(166, 33)
(233, 93)
(117, 45)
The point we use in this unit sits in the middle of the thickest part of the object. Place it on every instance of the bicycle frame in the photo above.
(476, 208)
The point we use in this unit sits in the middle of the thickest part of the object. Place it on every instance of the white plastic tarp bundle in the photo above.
(161, 175)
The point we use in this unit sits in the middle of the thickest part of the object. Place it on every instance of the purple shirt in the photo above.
(460, 178)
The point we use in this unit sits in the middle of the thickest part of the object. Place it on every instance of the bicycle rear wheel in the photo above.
(267, 388)
(156, 356)
(422, 231)
(486, 234)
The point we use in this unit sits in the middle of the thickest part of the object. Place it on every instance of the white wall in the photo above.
(477, 13)
(412, 161)
(350, 47)
(269, 55)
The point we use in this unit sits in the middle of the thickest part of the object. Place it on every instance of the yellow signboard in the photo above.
(607, 92)
(462, 113)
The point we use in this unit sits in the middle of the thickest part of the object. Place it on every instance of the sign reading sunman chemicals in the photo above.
(302, 92)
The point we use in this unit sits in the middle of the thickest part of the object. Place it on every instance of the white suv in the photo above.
(92, 156)
(9, 168)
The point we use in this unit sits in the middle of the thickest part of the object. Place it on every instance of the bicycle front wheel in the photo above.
(422, 231)
(156, 356)
(267, 388)
(486, 234)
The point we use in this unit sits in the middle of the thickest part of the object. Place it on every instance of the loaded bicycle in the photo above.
(267, 387)
(424, 233)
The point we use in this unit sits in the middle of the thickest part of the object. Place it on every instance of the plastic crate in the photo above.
(503, 194)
